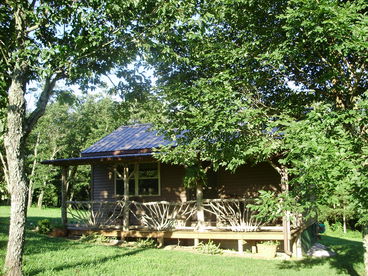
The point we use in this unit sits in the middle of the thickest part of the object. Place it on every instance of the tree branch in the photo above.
(41, 104)
(6, 171)
(33, 28)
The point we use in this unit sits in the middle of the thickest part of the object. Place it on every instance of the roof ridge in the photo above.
(137, 125)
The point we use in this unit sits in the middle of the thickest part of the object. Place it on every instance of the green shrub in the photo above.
(44, 226)
(94, 238)
(209, 248)
(270, 243)
(147, 243)
(336, 227)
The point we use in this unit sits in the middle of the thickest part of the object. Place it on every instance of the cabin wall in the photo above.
(103, 183)
(245, 182)
(171, 181)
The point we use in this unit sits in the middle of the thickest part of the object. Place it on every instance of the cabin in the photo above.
(133, 195)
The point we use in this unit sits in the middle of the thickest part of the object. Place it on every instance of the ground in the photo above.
(57, 256)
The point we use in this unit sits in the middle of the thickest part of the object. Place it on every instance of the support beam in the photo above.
(196, 242)
(126, 198)
(283, 171)
(240, 246)
(200, 210)
(297, 247)
(160, 241)
(64, 175)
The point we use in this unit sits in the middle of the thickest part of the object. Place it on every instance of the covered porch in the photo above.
(218, 219)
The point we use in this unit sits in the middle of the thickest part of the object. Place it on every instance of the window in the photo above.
(144, 179)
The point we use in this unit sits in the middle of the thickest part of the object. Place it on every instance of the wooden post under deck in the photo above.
(126, 198)
(240, 246)
(64, 174)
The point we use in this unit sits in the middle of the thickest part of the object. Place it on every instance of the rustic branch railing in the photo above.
(164, 215)
(233, 214)
(95, 213)
(226, 214)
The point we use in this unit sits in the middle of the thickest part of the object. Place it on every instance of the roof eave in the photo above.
(90, 160)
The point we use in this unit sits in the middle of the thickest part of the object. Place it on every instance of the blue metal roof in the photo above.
(134, 137)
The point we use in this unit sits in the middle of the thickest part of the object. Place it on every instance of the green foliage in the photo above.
(75, 126)
(93, 238)
(209, 248)
(194, 176)
(270, 243)
(272, 205)
(146, 243)
(44, 226)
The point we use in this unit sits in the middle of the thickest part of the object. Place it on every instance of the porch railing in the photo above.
(225, 214)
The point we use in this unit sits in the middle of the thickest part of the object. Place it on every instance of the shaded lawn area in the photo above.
(57, 256)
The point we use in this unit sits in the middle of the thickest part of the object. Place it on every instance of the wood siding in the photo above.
(103, 183)
(245, 182)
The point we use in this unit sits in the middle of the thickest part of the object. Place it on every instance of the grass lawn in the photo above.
(57, 256)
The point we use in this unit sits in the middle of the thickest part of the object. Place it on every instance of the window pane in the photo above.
(148, 186)
(148, 170)
(120, 171)
(132, 186)
(119, 187)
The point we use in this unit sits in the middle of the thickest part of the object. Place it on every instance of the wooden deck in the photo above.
(196, 236)
(185, 234)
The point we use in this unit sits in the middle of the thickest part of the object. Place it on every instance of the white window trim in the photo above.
(136, 179)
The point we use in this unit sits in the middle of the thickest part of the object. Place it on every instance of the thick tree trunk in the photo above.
(365, 243)
(14, 142)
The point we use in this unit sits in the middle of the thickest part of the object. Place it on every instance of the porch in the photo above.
(221, 220)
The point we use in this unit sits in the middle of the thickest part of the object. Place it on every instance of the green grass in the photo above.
(57, 256)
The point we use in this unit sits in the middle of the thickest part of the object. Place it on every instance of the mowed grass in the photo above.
(58, 256)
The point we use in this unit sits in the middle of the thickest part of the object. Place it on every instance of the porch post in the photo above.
(286, 218)
(240, 246)
(297, 247)
(200, 211)
(64, 174)
(126, 198)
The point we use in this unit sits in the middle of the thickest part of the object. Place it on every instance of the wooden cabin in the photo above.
(134, 195)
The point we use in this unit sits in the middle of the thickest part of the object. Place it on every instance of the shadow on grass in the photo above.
(86, 263)
(36, 243)
(349, 254)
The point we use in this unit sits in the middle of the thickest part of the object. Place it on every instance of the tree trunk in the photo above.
(365, 244)
(14, 145)
(344, 223)
(200, 210)
(40, 199)
(64, 176)
(284, 175)
(30, 186)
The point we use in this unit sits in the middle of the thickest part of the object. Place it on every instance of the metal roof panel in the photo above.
(132, 137)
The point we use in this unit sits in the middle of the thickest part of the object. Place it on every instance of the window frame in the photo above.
(137, 178)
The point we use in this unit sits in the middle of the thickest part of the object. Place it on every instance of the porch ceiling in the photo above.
(87, 160)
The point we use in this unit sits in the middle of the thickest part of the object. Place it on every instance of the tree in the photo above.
(46, 41)
(231, 72)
